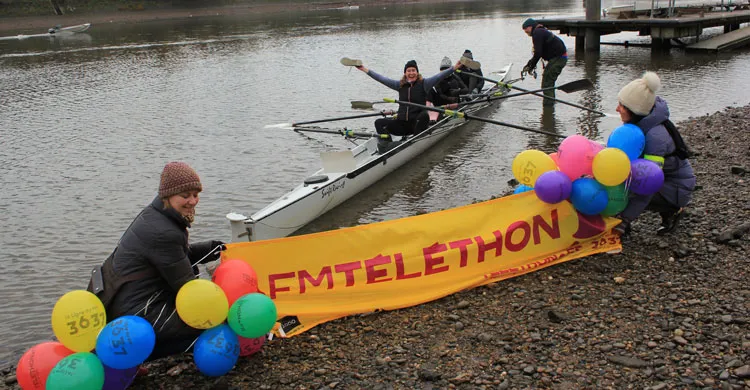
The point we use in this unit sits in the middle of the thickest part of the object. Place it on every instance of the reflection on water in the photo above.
(87, 123)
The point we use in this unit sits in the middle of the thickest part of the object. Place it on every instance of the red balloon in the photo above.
(251, 346)
(36, 363)
(236, 278)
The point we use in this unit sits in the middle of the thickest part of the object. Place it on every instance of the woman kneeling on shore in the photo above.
(153, 260)
(639, 105)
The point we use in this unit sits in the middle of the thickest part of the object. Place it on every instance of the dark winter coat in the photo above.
(411, 92)
(448, 91)
(156, 241)
(679, 179)
(546, 45)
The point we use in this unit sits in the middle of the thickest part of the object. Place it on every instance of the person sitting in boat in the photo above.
(411, 88)
(475, 84)
(449, 89)
(153, 260)
(639, 105)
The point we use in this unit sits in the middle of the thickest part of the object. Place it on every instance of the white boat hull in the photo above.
(307, 202)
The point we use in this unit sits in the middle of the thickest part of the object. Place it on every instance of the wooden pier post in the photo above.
(593, 12)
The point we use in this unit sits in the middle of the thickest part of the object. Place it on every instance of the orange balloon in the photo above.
(236, 278)
(36, 363)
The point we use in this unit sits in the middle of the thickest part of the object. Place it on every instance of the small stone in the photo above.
(462, 305)
(652, 344)
(679, 332)
(529, 370)
(9, 380)
(628, 361)
(680, 340)
(428, 375)
(619, 279)
(724, 375)
(743, 372)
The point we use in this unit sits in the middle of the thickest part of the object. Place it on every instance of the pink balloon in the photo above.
(575, 155)
(251, 346)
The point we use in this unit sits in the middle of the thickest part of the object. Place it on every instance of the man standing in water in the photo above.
(550, 48)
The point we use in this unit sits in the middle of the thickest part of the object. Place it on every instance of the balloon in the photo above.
(574, 156)
(588, 196)
(253, 315)
(618, 200)
(522, 188)
(629, 138)
(251, 346)
(646, 177)
(36, 364)
(611, 166)
(79, 371)
(77, 318)
(554, 157)
(236, 278)
(553, 187)
(115, 379)
(596, 147)
(125, 342)
(529, 164)
(216, 351)
(201, 304)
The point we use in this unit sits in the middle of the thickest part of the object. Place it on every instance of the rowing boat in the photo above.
(343, 175)
(52, 32)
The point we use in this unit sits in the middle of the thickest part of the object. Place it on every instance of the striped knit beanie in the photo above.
(178, 177)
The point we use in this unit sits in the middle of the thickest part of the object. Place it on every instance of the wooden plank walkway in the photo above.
(728, 41)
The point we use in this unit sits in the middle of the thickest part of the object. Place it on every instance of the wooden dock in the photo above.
(728, 41)
(662, 30)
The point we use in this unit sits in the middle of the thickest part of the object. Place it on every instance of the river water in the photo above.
(88, 121)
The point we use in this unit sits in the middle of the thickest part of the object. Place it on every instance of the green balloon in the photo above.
(618, 200)
(79, 371)
(252, 315)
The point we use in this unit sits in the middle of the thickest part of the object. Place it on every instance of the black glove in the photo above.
(216, 248)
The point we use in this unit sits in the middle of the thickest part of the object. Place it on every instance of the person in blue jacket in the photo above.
(549, 47)
(639, 105)
(412, 87)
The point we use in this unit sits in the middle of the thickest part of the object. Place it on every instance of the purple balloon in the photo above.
(646, 177)
(115, 379)
(553, 187)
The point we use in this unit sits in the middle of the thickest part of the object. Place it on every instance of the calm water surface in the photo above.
(87, 122)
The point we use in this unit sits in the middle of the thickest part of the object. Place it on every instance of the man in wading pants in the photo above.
(549, 47)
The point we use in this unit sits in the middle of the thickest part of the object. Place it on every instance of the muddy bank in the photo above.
(669, 312)
(40, 23)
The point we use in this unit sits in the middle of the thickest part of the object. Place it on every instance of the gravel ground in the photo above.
(669, 312)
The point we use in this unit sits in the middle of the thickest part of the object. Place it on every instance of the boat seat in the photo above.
(316, 179)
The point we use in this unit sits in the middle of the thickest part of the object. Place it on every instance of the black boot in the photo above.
(669, 222)
(385, 144)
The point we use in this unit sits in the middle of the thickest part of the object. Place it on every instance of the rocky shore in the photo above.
(669, 312)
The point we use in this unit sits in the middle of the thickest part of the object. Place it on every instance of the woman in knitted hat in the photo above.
(153, 260)
(639, 105)
(411, 88)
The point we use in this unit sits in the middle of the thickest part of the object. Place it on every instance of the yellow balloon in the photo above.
(77, 318)
(202, 304)
(530, 164)
(611, 166)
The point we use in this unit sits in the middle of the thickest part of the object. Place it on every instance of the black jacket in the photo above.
(448, 90)
(546, 45)
(472, 82)
(157, 240)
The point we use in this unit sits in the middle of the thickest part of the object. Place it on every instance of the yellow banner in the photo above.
(399, 263)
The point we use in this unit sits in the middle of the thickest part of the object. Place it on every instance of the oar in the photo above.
(459, 114)
(360, 104)
(536, 94)
(285, 125)
(573, 86)
(345, 132)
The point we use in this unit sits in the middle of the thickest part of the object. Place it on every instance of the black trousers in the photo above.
(660, 205)
(401, 128)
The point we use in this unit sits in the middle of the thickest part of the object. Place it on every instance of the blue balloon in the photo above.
(522, 188)
(629, 138)
(216, 350)
(589, 196)
(125, 342)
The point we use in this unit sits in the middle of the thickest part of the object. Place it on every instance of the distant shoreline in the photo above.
(40, 23)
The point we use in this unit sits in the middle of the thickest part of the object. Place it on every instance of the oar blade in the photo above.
(575, 86)
(362, 105)
(280, 126)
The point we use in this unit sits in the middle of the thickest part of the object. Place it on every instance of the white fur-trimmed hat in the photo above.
(639, 95)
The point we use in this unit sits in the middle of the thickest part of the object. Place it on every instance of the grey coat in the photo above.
(157, 240)
(679, 179)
